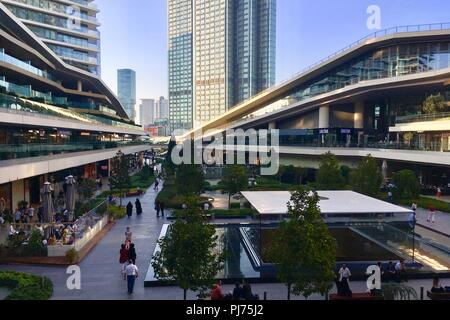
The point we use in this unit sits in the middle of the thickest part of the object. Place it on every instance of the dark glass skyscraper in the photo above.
(221, 52)
(126, 90)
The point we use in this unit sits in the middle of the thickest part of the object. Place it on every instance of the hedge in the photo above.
(426, 203)
(26, 286)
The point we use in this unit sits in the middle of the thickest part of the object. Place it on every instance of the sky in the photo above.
(134, 34)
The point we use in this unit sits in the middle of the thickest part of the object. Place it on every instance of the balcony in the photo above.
(15, 104)
(25, 66)
(30, 150)
(423, 117)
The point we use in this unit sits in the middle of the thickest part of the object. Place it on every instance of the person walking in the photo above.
(132, 253)
(432, 215)
(156, 184)
(30, 213)
(132, 273)
(17, 216)
(123, 259)
(138, 207)
(129, 209)
(128, 235)
(157, 208)
(162, 206)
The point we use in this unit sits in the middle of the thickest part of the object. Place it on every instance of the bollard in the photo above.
(327, 297)
(265, 295)
(421, 293)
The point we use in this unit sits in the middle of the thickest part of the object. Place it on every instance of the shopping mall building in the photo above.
(55, 119)
(365, 99)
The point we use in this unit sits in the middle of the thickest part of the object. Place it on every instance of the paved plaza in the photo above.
(101, 278)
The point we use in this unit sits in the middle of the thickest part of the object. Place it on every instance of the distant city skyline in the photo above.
(307, 31)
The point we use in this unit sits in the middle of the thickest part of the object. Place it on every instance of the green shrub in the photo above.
(232, 213)
(117, 213)
(235, 205)
(72, 256)
(426, 203)
(407, 185)
(26, 286)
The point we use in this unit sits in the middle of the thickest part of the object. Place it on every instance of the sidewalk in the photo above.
(441, 225)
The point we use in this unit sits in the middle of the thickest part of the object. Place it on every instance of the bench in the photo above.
(356, 296)
(438, 296)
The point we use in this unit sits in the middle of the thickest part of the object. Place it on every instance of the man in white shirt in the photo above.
(132, 273)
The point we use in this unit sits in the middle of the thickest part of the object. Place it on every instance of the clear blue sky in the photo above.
(134, 33)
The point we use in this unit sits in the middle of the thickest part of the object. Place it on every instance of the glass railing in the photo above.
(423, 117)
(29, 150)
(403, 243)
(23, 105)
(25, 66)
(392, 145)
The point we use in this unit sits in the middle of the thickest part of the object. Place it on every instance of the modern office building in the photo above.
(367, 99)
(162, 108)
(126, 90)
(221, 52)
(55, 119)
(69, 28)
(147, 112)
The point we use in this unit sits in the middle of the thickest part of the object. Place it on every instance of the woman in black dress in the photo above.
(129, 209)
(138, 207)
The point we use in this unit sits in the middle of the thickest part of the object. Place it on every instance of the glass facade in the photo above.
(16, 143)
(58, 20)
(126, 90)
(384, 63)
(221, 52)
(180, 64)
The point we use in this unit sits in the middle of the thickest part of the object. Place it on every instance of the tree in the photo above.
(291, 174)
(303, 249)
(346, 174)
(329, 176)
(408, 137)
(367, 178)
(189, 179)
(234, 180)
(434, 104)
(406, 184)
(146, 173)
(86, 188)
(120, 172)
(188, 254)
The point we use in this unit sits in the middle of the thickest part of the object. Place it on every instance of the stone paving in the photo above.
(100, 270)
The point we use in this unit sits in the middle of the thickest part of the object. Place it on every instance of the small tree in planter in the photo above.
(406, 184)
(234, 180)
(187, 256)
(120, 173)
(303, 249)
(189, 179)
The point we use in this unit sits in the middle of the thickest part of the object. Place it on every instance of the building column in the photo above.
(324, 117)
(359, 115)
(79, 85)
(272, 125)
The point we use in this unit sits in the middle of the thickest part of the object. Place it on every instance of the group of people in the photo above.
(240, 292)
(27, 214)
(127, 260)
(138, 208)
(393, 272)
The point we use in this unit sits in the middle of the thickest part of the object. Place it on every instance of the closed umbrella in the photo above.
(70, 197)
(47, 202)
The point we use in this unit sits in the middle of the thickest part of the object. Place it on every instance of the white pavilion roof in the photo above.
(331, 203)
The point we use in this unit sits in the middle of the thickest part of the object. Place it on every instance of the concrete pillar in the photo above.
(79, 85)
(359, 115)
(324, 117)
(272, 125)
